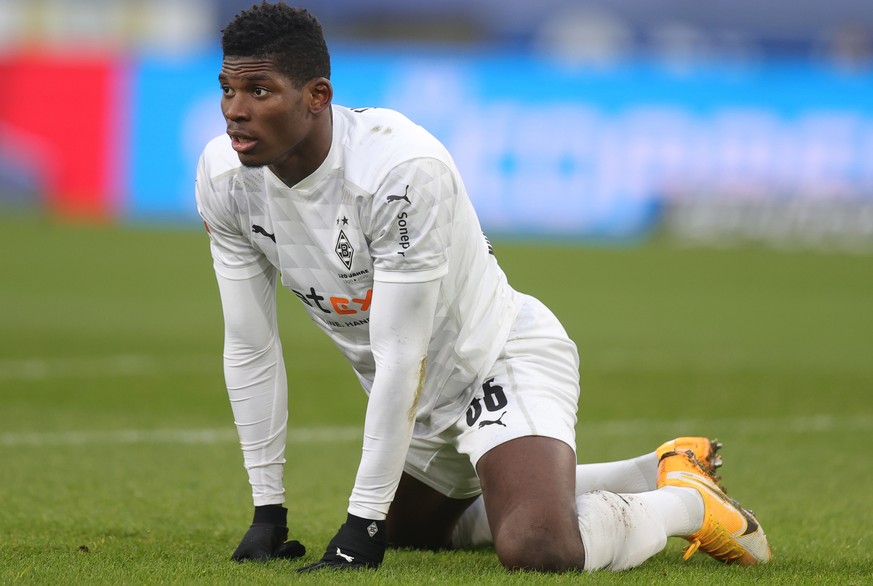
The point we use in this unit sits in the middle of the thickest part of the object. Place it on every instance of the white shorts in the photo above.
(531, 390)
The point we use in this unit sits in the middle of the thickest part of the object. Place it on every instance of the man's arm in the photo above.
(257, 387)
(401, 320)
(410, 223)
(256, 381)
(253, 366)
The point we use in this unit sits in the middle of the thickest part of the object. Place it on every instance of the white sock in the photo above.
(679, 520)
(638, 474)
(621, 531)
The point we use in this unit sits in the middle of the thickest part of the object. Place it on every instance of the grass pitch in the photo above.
(120, 462)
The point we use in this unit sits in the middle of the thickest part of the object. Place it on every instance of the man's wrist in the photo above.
(371, 526)
(270, 515)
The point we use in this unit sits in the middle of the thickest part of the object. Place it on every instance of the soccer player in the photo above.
(473, 386)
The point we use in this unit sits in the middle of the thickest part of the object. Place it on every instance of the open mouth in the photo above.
(242, 144)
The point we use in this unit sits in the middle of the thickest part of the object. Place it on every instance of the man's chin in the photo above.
(250, 162)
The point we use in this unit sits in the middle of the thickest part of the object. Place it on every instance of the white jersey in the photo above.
(386, 204)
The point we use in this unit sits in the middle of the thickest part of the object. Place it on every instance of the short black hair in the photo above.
(291, 37)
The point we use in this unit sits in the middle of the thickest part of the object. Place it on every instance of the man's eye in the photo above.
(225, 89)
(260, 92)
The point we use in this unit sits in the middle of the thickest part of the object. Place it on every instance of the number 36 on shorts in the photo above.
(492, 401)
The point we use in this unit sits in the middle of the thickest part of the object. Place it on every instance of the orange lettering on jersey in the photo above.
(365, 303)
(341, 305)
(207, 227)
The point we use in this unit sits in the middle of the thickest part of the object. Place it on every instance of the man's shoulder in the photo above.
(366, 127)
(379, 139)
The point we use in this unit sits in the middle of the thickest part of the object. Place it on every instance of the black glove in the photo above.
(266, 537)
(359, 544)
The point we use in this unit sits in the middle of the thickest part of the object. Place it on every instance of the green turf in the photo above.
(120, 465)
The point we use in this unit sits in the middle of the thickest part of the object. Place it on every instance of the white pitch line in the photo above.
(342, 434)
(119, 365)
(105, 366)
(306, 435)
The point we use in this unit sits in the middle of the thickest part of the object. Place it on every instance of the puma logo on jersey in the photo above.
(497, 421)
(391, 198)
(348, 558)
(259, 230)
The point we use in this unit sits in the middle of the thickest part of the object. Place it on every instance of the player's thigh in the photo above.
(529, 489)
(421, 516)
(520, 433)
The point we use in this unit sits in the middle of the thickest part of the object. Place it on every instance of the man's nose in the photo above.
(235, 108)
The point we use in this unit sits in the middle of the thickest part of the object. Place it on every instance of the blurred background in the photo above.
(717, 122)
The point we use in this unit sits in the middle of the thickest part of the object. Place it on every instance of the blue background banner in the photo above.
(553, 149)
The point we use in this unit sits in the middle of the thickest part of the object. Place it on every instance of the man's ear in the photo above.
(320, 93)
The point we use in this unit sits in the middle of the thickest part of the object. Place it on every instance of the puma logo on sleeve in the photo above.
(259, 230)
(391, 198)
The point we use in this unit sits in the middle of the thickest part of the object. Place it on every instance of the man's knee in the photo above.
(539, 548)
(529, 489)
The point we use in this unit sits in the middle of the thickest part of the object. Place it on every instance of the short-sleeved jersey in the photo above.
(387, 204)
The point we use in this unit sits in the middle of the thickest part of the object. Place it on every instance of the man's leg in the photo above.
(627, 476)
(529, 494)
(539, 523)
(529, 519)
(528, 485)
(632, 475)
(421, 517)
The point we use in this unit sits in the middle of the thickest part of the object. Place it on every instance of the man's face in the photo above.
(267, 118)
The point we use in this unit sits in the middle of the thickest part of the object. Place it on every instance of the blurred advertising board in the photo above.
(717, 151)
(556, 150)
(546, 148)
(176, 111)
(63, 122)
